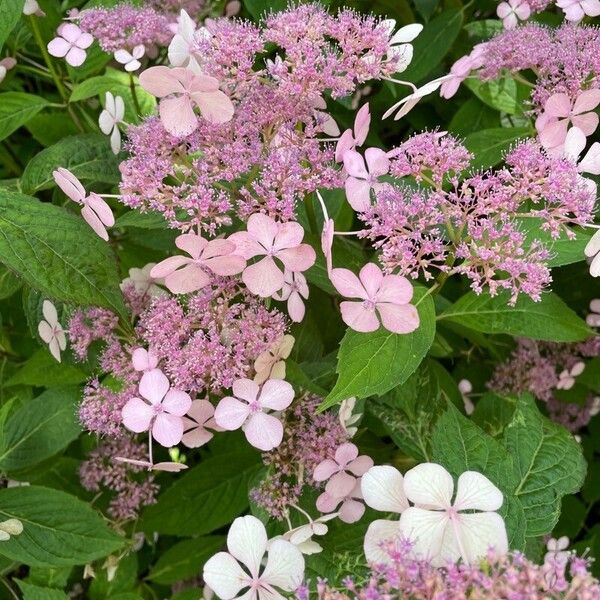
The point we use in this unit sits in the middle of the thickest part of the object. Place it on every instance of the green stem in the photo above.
(136, 102)
(37, 34)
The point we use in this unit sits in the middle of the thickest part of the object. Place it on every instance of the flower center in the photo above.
(368, 304)
(255, 406)
(158, 408)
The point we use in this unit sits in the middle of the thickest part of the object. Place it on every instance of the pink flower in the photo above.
(575, 10)
(270, 364)
(161, 410)
(196, 423)
(144, 360)
(51, 331)
(559, 112)
(294, 289)
(131, 60)
(460, 71)
(350, 139)
(281, 241)
(385, 295)
(247, 409)
(70, 44)
(183, 275)
(96, 212)
(351, 509)
(342, 470)
(363, 177)
(510, 12)
(180, 90)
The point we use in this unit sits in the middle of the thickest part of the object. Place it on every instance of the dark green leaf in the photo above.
(42, 369)
(10, 13)
(16, 108)
(33, 592)
(490, 145)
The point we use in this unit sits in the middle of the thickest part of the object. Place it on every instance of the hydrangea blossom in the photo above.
(70, 44)
(51, 331)
(110, 117)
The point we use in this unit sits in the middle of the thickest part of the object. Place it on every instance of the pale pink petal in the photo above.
(192, 244)
(186, 280)
(217, 248)
(224, 575)
(395, 289)
(558, 105)
(523, 11)
(49, 312)
(362, 123)
(137, 415)
(245, 389)
(327, 503)
(170, 467)
(351, 511)
(154, 385)
(196, 437)
(230, 413)
(46, 332)
(359, 317)
(554, 133)
(361, 465)
(325, 469)
(167, 429)
(503, 10)
(354, 164)
(75, 56)
(85, 40)
(285, 566)
(295, 307)
(476, 491)
(215, 107)
(225, 265)
(590, 163)
(177, 403)
(263, 431)
(201, 411)
(160, 82)
(91, 218)
(479, 532)
(344, 145)
(587, 122)
(263, 278)
(345, 454)
(101, 208)
(586, 101)
(54, 348)
(574, 143)
(202, 84)
(168, 266)
(61, 339)
(358, 193)
(379, 532)
(348, 284)
(301, 258)
(371, 278)
(143, 360)
(289, 235)
(340, 485)
(245, 245)
(58, 47)
(70, 32)
(429, 484)
(69, 184)
(263, 229)
(177, 116)
(398, 318)
(377, 161)
(383, 489)
(276, 394)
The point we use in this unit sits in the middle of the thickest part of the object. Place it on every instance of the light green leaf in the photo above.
(433, 44)
(373, 363)
(34, 592)
(87, 156)
(490, 145)
(185, 559)
(39, 429)
(485, 29)
(16, 108)
(57, 253)
(550, 319)
(10, 13)
(548, 464)
(149, 220)
(42, 369)
(206, 497)
(259, 8)
(501, 94)
(58, 529)
(473, 115)
(9, 282)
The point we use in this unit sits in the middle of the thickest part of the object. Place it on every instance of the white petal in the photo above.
(593, 246)
(224, 575)
(115, 140)
(123, 57)
(429, 484)
(426, 529)
(475, 490)
(49, 312)
(380, 531)
(106, 122)
(247, 541)
(479, 532)
(383, 489)
(285, 566)
(574, 143)
(406, 34)
(119, 109)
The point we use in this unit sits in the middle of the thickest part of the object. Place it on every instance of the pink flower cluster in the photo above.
(132, 487)
(562, 575)
(471, 226)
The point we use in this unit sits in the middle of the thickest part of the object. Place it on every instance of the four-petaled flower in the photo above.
(270, 364)
(143, 282)
(179, 90)
(294, 289)
(248, 407)
(196, 422)
(512, 11)
(380, 296)
(575, 10)
(131, 60)
(350, 139)
(71, 43)
(362, 178)
(96, 212)
(183, 275)
(180, 51)
(161, 411)
(301, 536)
(110, 117)
(144, 360)
(247, 544)
(440, 529)
(51, 331)
(272, 240)
(399, 47)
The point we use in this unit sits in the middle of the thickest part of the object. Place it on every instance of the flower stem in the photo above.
(136, 102)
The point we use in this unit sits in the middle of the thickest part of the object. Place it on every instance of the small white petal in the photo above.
(429, 484)
(247, 541)
(383, 489)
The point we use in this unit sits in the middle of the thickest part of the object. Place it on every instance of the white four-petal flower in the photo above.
(51, 331)
(131, 60)
(247, 544)
(110, 117)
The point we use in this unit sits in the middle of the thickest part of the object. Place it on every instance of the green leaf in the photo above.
(34, 592)
(185, 559)
(149, 220)
(122, 581)
(50, 127)
(258, 8)
(373, 363)
(550, 319)
(473, 115)
(87, 156)
(548, 464)
(42, 369)
(118, 83)
(9, 283)
(39, 429)
(16, 108)
(57, 253)
(207, 497)
(56, 577)
(501, 94)
(58, 529)
(485, 29)
(10, 13)
(433, 44)
(490, 145)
